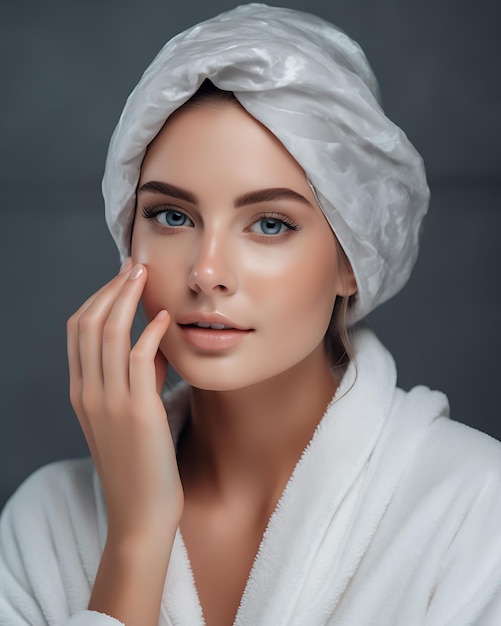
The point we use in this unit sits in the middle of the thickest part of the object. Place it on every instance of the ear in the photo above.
(348, 284)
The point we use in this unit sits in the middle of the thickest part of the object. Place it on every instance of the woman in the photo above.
(266, 203)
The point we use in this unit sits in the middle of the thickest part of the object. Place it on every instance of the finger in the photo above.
(160, 371)
(73, 353)
(76, 385)
(90, 318)
(116, 334)
(143, 372)
(72, 326)
(86, 426)
(90, 334)
(75, 366)
(126, 267)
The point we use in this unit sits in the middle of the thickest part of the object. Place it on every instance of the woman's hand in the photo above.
(115, 392)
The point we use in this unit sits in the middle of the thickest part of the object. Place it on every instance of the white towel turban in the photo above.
(312, 87)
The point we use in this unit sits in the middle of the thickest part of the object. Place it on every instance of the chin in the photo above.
(213, 381)
(216, 374)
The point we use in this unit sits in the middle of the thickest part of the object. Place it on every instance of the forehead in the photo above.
(220, 144)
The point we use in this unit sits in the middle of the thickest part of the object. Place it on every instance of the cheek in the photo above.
(164, 267)
(307, 286)
(144, 247)
(314, 302)
(163, 287)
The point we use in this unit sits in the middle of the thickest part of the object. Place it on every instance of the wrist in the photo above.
(131, 577)
(139, 541)
(141, 528)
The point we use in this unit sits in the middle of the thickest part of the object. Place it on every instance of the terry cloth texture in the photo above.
(391, 516)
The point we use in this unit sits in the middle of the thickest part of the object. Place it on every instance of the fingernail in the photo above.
(161, 315)
(126, 265)
(136, 272)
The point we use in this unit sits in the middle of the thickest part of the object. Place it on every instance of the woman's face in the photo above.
(231, 235)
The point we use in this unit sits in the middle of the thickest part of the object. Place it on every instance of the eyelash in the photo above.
(152, 212)
(279, 217)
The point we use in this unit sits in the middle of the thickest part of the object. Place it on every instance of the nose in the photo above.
(213, 268)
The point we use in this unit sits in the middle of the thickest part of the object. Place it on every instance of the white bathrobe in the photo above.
(391, 517)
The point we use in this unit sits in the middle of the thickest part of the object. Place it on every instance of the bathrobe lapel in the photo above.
(330, 508)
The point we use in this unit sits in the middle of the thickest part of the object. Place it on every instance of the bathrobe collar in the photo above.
(287, 563)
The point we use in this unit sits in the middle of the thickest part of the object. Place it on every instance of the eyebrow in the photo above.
(169, 190)
(251, 197)
(269, 195)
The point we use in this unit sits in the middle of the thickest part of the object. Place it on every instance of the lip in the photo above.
(210, 318)
(212, 339)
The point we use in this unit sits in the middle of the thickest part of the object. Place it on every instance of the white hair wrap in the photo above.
(312, 87)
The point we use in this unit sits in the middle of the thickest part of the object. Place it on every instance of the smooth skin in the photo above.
(115, 393)
(266, 263)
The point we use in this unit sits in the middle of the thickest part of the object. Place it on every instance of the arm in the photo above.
(114, 391)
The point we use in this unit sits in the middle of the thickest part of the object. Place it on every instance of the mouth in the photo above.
(212, 332)
(213, 326)
(212, 321)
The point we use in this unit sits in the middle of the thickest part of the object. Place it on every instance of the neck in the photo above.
(245, 443)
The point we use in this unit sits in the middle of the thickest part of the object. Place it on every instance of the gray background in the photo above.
(67, 68)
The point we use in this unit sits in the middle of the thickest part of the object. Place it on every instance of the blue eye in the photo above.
(269, 226)
(173, 219)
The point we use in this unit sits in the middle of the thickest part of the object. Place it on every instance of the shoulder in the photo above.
(444, 509)
(70, 482)
(60, 474)
(449, 477)
(51, 535)
(454, 478)
(417, 436)
(445, 446)
(59, 500)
